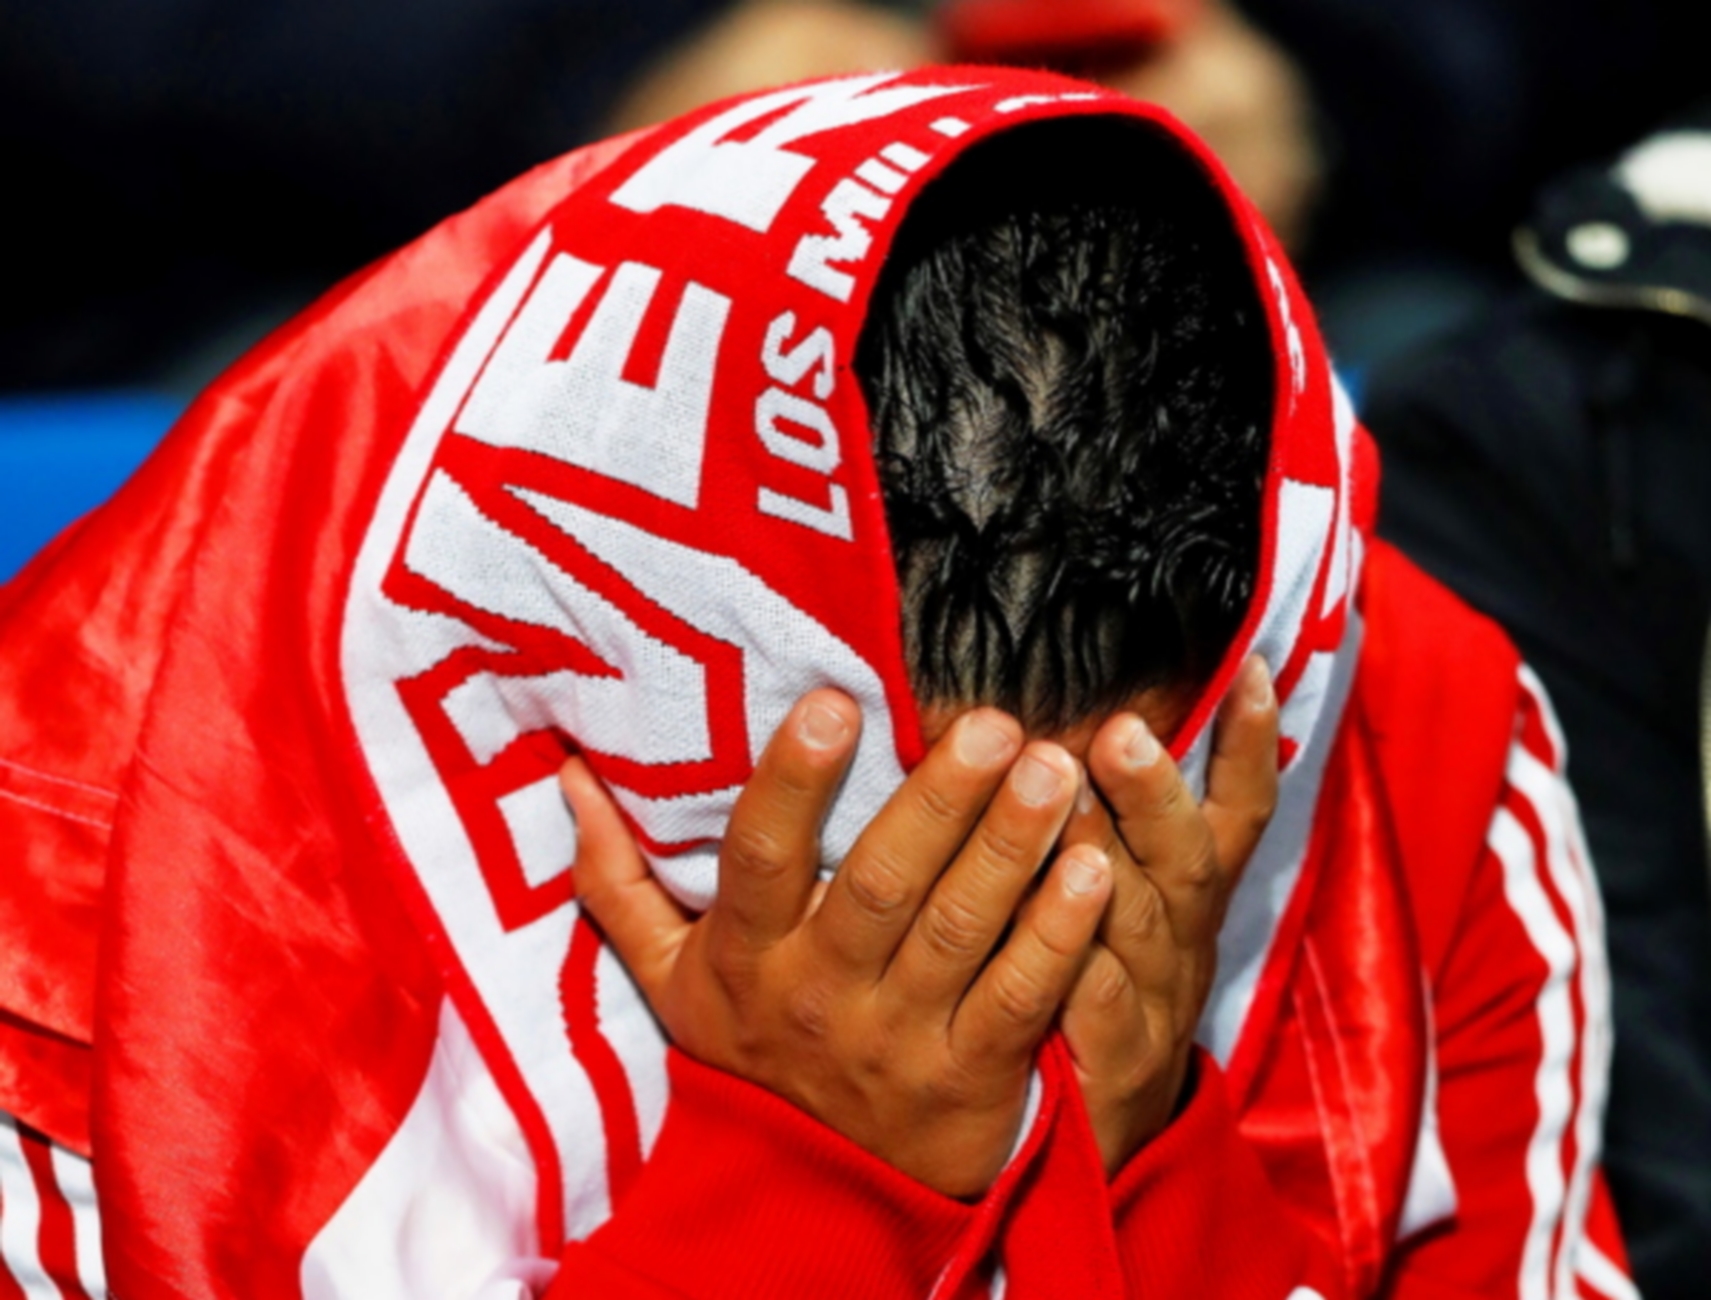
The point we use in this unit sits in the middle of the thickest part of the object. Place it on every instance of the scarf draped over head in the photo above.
(639, 510)
(587, 466)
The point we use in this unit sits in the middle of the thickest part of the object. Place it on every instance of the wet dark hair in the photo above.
(1069, 377)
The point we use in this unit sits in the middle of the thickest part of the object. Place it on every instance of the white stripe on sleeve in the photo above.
(76, 1182)
(20, 1218)
(1552, 1083)
(1601, 1274)
(1539, 780)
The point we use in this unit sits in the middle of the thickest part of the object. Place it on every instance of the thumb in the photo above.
(615, 887)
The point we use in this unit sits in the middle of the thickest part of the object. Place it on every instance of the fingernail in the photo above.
(1035, 782)
(1257, 687)
(1141, 749)
(1086, 872)
(821, 727)
(982, 742)
(1083, 793)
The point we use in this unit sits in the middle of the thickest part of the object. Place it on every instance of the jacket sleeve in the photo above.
(1521, 1009)
(1195, 1214)
(744, 1195)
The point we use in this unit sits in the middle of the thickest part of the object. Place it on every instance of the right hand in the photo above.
(1131, 1019)
(902, 1003)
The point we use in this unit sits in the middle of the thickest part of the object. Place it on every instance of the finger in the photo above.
(1090, 821)
(770, 857)
(1131, 1050)
(873, 899)
(615, 886)
(1132, 928)
(1241, 778)
(964, 914)
(1159, 821)
(1009, 1008)
(1099, 1018)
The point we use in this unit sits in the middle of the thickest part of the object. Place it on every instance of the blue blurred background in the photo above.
(62, 455)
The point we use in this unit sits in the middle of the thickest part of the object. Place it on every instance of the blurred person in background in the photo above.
(184, 175)
(1229, 82)
(1552, 463)
(1396, 144)
(194, 173)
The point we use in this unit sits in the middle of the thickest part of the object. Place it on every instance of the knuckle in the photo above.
(794, 779)
(877, 887)
(952, 929)
(1174, 800)
(752, 852)
(858, 1046)
(1145, 912)
(596, 897)
(1143, 1071)
(1007, 850)
(1264, 799)
(938, 807)
(808, 1010)
(934, 1087)
(1202, 871)
(736, 978)
(953, 1085)
(750, 1039)
(1106, 985)
(1137, 910)
(1018, 998)
(875, 1068)
(1060, 939)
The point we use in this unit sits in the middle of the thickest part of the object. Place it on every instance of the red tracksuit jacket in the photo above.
(294, 995)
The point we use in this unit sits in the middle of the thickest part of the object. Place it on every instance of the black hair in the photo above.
(1069, 377)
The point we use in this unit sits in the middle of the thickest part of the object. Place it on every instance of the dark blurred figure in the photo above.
(177, 170)
(173, 163)
(1394, 143)
(1440, 119)
(180, 174)
(1553, 465)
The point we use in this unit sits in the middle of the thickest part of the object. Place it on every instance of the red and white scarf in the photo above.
(638, 508)
(587, 464)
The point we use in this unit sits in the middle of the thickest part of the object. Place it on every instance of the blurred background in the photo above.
(184, 174)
